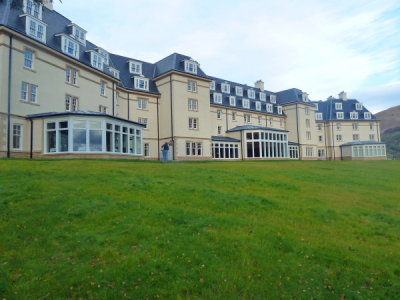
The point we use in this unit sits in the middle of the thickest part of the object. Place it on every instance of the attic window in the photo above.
(33, 8)
(114, 72)
(359, 106)
(212, 85)
(96, 60)
(263, 97)
(270, 108)
(35, 28)
(218, 98)
(141, 83)
(318, 116)
(225, 88)
(272, 98)
(246, 103)
(69, 47)
(135, 67)
(353, 115)
(191, 66)
(239, 91)
(258, 105)
(279, 109)
(340, 115)
(105, 55)
(232, 100)
(78, 34)
(367, 115)
(251, 94)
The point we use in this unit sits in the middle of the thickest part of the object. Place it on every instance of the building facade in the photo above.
(62, 96)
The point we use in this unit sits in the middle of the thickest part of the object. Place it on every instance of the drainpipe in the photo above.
(158, 130)
(31, 143)
(172, 118)
(9, 98)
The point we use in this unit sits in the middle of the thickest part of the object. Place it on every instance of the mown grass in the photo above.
(213, 230)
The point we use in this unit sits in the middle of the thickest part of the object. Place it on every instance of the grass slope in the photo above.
(213, 230)
(392, 139)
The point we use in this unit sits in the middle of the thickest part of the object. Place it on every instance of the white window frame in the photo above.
(144, 121)
(143, 103)
(194, 148)
(78, 34)
(29, 92)
(279, 108)
(318, 116)
(354, 115)
(193, 123)
(135, 67)
(340, 115)
(219, 130)
(71, 103)
(29, 57)
(71, 75)
(263, 96)
(141, 83)
(251, 94)
(226, 88)
(246, 103)
(270, 108)
(338, 106)
(258, 105)
(217, 98)
(238, 91)
(33, 8)
(114, 72)
(339, 138)
(234, 114)
(219, 114)
(96, 60)
(17, 131)
(356, 137)
(272, 99)
(193, 104)
(191, 66)
(355, 126)
(103, 109)
(367, 116)
(359, 106)
(212, 85)
(35, 28)
(247, 118)
(192, 86)
(372, 137)
(232, 100)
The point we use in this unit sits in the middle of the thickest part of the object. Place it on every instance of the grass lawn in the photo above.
(210, 230)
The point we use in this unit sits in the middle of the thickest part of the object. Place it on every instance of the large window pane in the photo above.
(51, 141)
(79, 138)
(96, 140)
(63, 141)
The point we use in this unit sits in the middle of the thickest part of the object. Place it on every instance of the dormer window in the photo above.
(212, 85)
(279, 109)
(251, 94)
(78, 33)
(69, 47)
(272, 98)
(35, 28)
(367, 115)
(316, 105)
(353, 115)
(340, 115)
(304, 97)
(96, 60)
(141, 83)
(258, 105)
(239, 91)
(33, 8)
(218, 98)
(270, 108)
(232, 100)
(105, 55)
(114, 72)
(226, 88)
(246, 103)
(318, 116)
(338, 106)
(359, 106)
(135, 67)
(263, 97)
(191, 66)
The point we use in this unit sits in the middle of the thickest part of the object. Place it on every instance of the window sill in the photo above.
(104, 96)
(71, 84)
(30, 69)
(28, 102)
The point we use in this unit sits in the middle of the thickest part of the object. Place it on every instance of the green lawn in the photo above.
(213, 230)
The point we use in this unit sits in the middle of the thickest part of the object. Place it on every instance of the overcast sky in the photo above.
(321, 47)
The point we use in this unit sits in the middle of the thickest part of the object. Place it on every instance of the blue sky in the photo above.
(321, 47)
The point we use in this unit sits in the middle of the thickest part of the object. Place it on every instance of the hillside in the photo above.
(205, 230)
(390, 118)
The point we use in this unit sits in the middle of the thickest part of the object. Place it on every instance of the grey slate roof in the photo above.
(362, 143)
(328, 110)
(251, 127)
(174, 62)
(290, 96)
(224, 139)
(80, 113)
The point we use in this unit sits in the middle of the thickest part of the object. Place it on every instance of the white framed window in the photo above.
(246, 103)
(234, 114)
(78, 33)
(308, 123)
(96, 60)
(304, 97)
(71, 103)
(318, 116)
(33, 8)
(321, 138)
(135, 67)
(17, 136)
(35, 28)
(372, 137)
(355, 126)
(270, 108)
(339, 137)
(308, 135)
(141, 83)
(247, 118)
(279, 109)
(258, 105)
(232, 100)
(272, 99)
(219, 114)
(194, 148)
(69, 46)
(321, 152)
(146, 149)
(316, 106)
(367, 116)
(28, 59)
(29, 92)
(193, 123)
(143, 103)
(309, 151)
(338, 106)
(263, 96)
(338, 126)
(217, 98)
(192, 104)
(103, 109)
(191, 66)
(356, 137)
(239, 91)
(103, 88)
(340, 115)
(251, 94)
(71, 76)
(219, 129)
(106, 56)
(114, 72)
(144, 121)
(319, 126)
(359, 106)
(354, 115)
(192, 86)
(225, 150)
(226, 88)
(212, 85)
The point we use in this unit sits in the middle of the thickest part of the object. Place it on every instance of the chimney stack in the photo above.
(48, 4)
(343, 96)
(259, 84)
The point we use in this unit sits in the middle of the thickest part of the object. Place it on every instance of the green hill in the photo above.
(213, 230)
(392, 139)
